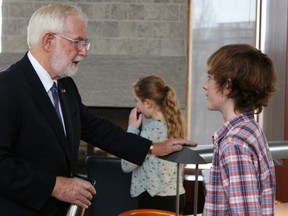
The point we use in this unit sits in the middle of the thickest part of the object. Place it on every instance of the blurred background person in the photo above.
(154, 182)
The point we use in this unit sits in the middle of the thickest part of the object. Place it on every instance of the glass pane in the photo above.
(215, 23)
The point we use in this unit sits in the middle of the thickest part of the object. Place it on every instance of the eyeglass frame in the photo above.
(80, 44)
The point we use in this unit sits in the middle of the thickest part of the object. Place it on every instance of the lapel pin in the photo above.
(63, 90)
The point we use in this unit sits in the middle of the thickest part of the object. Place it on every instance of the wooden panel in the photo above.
(189, 187)
(282, 171)
(281, 182)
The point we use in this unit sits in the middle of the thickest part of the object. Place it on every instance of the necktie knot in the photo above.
(54, 89)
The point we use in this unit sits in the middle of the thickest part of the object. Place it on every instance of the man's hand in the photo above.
(171, 145)
(73, 190)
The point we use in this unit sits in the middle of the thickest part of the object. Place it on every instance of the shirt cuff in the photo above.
(133, 129)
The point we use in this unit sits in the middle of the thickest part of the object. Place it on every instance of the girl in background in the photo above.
(154, 182)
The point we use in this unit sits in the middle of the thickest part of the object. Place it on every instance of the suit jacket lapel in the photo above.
(43, 101)
(67, 117)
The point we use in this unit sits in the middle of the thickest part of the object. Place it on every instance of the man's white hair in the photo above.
(50, 18)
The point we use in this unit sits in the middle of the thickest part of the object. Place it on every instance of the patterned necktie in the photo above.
(55, 95)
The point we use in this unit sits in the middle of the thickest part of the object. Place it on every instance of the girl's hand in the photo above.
(135, 118)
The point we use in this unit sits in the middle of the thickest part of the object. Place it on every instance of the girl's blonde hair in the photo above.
(154, 88)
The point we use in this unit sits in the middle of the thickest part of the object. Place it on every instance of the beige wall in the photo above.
(116, 27)
(130, 38)
(276, 46)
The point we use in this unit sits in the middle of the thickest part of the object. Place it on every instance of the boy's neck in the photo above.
(228, 112)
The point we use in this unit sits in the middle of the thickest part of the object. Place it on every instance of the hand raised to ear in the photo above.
(135, 118)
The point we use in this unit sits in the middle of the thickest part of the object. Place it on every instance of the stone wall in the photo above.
(130, 38)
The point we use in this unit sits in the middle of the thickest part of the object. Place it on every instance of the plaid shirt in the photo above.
(242, 177)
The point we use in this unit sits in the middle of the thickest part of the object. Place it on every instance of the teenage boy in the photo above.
(241, 80)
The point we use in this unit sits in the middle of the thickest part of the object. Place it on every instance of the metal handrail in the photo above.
(279, 150)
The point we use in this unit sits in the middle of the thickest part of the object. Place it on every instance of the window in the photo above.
(214, 24)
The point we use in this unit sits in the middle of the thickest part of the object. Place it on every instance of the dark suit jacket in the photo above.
(34, 148)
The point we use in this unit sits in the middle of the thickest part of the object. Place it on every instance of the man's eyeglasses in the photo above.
(80, 44)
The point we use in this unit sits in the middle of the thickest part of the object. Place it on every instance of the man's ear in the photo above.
(47, 41)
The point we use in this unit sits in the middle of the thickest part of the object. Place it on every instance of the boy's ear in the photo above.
(228, 87)
(229, 83)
